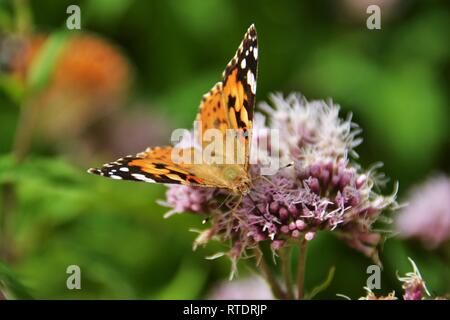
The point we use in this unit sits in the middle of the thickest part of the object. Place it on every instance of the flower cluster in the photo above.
(318, 187)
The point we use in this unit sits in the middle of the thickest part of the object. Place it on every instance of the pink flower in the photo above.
(187, 199)
(427, 216)
(413, 284)
(248, 289)
(323, 189)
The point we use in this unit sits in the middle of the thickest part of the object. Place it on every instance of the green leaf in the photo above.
(7, 172)
(321, 287)
(6, 23)
(43, 65)
(12, 87)
(106, 12)
(11, 286)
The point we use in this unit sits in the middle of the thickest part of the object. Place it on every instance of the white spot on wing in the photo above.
(115, 177)
(141, 177)
(243, 63)
(255, 53)
(124, 169)
(251, 81)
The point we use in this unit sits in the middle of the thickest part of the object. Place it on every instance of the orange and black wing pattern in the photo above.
(154, 165)
(229, 105)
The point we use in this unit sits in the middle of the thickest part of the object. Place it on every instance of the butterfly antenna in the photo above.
(290, 164)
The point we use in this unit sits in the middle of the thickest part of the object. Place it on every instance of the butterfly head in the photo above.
(243, 187)
(237, 179)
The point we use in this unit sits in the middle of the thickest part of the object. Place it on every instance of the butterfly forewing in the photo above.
(228, 105)
(155, 165)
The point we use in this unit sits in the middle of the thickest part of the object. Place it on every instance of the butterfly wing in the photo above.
(156, 165)
(230, 103)
(239, 83)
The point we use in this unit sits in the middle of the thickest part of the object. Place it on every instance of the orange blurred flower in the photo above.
(90, 79)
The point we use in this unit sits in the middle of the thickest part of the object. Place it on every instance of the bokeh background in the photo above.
(137, 70)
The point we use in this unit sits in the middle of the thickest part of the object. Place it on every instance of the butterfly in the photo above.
(227, 106)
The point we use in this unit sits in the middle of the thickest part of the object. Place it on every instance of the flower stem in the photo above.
(21, 144)
(301, 270)
(268, 276)
(8, 206)
(24, 131)
(285, 256)
(8, 195)
(23, 16)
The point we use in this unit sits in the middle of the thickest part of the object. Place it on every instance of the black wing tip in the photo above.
(93, 171)
(252, 30)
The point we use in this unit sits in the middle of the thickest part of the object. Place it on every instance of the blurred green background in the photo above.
(153, 61)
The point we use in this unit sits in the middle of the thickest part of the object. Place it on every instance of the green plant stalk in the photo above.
(268, 276)
(285, 256)
(38, 78)
(23, 19)
(8, 206)
(324, 285)
(21, 146)
(301, 270)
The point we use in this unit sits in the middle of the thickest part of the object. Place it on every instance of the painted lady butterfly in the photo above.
(228, 105)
